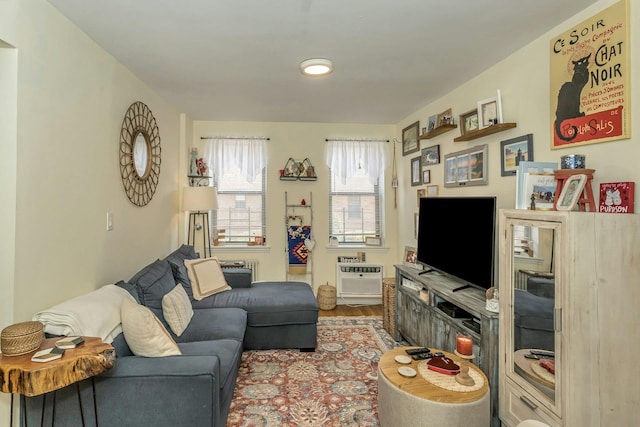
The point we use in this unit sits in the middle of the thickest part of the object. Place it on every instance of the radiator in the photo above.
(359, 280)
(242, 263)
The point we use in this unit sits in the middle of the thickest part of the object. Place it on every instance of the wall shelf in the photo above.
(474, 134)
(298, 171)
(437, 131)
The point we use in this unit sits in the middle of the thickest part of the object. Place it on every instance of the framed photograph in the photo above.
(416, 220)
(489, 111)
(426, 176)
(513, 151)
(466, 167)
(444, 118)
(411, 257)
(372, 241)
(416, 168)
(571, 192)
(432, 190)
(539, 191)
(259, 240)
(431, 124)
(422, 192)
(431, 155)
(410, 142)
(469, 121)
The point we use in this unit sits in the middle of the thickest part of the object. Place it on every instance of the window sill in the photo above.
(239, 248)
(359, 248)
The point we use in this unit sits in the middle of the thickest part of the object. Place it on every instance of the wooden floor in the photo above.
(355, 310)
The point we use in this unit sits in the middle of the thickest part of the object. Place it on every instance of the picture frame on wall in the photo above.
(416, 168)
(426, 176)
(431, 122)
(420, 193)
(431, 155)
(467, 167)
(571, 192)
(432, 190)
(513, 151)
(469, 121)
(490, 111)
(410, 142)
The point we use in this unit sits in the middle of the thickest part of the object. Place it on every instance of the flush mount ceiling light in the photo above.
(316, 67)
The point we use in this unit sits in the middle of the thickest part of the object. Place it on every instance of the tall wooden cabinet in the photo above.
(590, 268)
(420, 321)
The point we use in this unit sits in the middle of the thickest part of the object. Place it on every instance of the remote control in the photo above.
(413, 351)
(422, 356)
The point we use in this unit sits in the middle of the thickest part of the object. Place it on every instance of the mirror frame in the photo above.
(139, 120)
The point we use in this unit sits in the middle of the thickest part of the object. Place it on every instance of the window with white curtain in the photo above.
(239, 170)
(355, 189)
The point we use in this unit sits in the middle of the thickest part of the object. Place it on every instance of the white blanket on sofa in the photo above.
(96, 314)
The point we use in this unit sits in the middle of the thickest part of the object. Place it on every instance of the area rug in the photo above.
(337, 385)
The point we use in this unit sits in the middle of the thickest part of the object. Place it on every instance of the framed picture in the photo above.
(432, 190)
(416, 179)
(416, 220)
(571, 192)
(410, 142)
(426, 176)
(489, 111)
(444, 118)
(466, 167)
(422, 192)
(431, 124)
(372, 241)
(410, 257)
(431, 155)
(469, 121)
(259, 240)
(513, 151)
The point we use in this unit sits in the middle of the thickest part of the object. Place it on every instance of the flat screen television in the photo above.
(456, 236)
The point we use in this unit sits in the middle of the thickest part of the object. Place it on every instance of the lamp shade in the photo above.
(199, 199)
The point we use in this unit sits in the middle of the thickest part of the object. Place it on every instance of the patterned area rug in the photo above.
(337, 385)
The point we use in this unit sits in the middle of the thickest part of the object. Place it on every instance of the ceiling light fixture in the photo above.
(316, 67)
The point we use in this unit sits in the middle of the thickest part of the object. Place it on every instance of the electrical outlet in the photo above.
(109, 221)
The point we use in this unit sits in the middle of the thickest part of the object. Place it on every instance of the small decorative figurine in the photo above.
(193, 170)
(533, 202)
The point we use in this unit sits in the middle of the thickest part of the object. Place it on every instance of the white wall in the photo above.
(300, 140)
(523, 79)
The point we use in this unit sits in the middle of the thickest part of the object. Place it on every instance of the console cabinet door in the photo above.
(411, 319)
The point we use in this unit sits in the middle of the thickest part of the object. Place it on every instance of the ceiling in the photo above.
(238, 59)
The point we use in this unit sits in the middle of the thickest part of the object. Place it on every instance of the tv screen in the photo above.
(456, 236)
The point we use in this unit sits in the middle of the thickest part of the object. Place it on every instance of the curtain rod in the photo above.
(235, 137)
(357, 139)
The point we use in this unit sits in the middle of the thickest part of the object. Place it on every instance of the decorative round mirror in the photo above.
(139, 154)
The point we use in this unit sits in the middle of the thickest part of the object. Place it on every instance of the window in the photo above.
(354, 209)
(356, 179)
(241, 206)
(239, 173)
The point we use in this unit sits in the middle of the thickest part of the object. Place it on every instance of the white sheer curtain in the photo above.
(250, 155)
(346, 157)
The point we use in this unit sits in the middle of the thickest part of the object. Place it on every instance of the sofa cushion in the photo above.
(144, 333)
(152, 283)
(176, 261)
(177, 310)
(133, 291)
(206, 277)
(229, 354)
(214, 324)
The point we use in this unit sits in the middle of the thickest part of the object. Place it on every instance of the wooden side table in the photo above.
(19, 375)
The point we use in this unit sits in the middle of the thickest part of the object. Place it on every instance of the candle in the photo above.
(464, 345)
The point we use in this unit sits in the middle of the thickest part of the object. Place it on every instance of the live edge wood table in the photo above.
(404, 401)
(19, 375)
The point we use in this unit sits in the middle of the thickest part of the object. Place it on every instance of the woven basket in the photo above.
(326, 297)
(21, 338)
(389, 305)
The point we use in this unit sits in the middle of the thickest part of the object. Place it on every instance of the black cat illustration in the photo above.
(569, 97)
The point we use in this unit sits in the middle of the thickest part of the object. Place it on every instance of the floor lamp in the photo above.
(198, 201)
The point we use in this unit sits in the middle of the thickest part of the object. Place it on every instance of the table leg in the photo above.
(80, 403)
(95, 406)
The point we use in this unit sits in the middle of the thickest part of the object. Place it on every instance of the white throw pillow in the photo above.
(206, 277)
(144, 333)
(177, 310)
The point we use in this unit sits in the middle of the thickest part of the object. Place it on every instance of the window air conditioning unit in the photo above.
(359, 280)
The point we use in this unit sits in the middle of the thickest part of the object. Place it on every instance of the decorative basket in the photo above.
(21, 338)
(389, 305)
(326, 297)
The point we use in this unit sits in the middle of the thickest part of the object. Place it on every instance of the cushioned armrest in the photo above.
(171, 366)
(237, 277)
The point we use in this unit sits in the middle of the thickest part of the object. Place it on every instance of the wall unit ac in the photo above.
(359, 280)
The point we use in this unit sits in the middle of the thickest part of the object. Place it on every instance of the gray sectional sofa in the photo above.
(196, 387)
